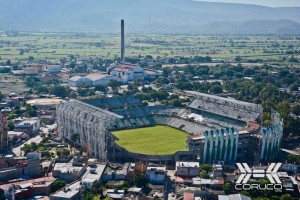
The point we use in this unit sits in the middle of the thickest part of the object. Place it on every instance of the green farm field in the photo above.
(55, 46)
(154, 140)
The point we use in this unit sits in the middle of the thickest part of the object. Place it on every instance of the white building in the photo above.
(93, 79)
(16, 136)
(53, 68)
(101, 79)
(126, 71)
(30, 126)
(68, 171)
(93, 175)
(152, 74)
(187, 169)
(77, 81)
(233, 197)
(70, 192)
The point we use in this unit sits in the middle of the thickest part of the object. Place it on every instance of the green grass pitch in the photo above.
(154, 140)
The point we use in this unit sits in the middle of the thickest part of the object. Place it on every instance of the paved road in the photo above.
(37, 139)
(17, 151)
(169, 189)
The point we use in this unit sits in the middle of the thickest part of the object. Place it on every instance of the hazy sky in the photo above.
(271, 3)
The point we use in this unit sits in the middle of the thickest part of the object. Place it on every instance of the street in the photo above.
(17, 151)
(37, 139)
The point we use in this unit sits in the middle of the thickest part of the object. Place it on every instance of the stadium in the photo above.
(210, 128)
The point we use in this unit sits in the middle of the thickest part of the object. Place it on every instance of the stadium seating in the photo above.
(226, 107)
(175, 117)
(115, 102)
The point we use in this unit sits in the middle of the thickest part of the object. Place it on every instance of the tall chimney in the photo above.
(122, 42)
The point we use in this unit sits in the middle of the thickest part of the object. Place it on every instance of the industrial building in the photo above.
(127, 71)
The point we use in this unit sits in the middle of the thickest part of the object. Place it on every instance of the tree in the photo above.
(73, 94)
(114, 85)
(246, 193)
(57, 185)
(83, 91)
(30, 111)
(166, 72)
(101, 88)
(30, 59)
(216, 89)
(75, 137)
(65, 152)
(275, 198)
(227, 188)
(5, 70)
(60, 91)
(31, 81)
(176, 102)
(296, 109)
(204, 170)
(238, 58)
(294, 87)
(286, 197)
(11, 125)
(204, 174)
(1, 96)
(34, 146)
(8, 62)
(140, 180)
(293, 159)
(41, 89)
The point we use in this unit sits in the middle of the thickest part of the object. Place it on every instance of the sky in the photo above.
(270, 3)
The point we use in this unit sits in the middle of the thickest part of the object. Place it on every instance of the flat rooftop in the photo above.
(187, 164)
(27, 122)
(69, 191)
(44, 101)
(94, 173)
(38, 182)
(67, 167)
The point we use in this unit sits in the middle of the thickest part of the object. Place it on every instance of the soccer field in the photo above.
(154, 140)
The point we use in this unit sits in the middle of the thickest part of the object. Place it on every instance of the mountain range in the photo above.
(147, 16)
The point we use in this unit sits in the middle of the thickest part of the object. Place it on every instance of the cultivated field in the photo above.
(155, 140)
(9, 84)
(55, 46)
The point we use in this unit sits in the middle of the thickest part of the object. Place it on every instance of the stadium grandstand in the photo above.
(221, 106)
(209, 122)
(115, 102)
